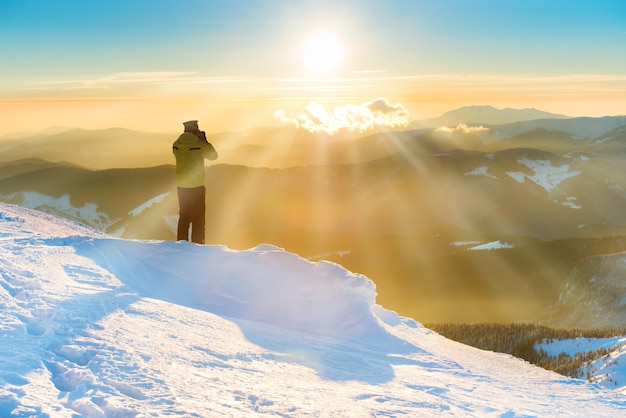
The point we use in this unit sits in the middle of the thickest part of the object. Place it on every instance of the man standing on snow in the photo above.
(191, 149)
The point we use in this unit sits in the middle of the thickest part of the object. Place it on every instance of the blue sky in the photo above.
(430, 55)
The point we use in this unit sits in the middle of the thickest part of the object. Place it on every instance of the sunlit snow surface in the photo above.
(96, 326)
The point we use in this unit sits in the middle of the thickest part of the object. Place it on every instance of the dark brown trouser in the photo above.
(192, 208)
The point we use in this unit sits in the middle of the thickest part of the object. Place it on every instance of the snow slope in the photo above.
(606, 371)
(97, 326)
(545, 174)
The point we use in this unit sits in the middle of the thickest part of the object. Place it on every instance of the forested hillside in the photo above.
(520, 340)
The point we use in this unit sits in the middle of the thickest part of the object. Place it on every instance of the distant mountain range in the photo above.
(416, 210)
(487, 115)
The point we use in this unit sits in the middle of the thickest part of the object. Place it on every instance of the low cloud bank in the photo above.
(462, 128)
(376, 113)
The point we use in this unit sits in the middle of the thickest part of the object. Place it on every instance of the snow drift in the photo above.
(96, 326)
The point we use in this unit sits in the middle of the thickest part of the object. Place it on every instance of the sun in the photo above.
(322, 52)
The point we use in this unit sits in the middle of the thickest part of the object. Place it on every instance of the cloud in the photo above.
(376, 113)
(117, 78)
(462, 128)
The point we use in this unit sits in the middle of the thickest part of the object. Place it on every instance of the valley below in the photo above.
(518, 222)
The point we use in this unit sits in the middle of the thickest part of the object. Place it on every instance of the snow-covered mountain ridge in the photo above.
(102, 327)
